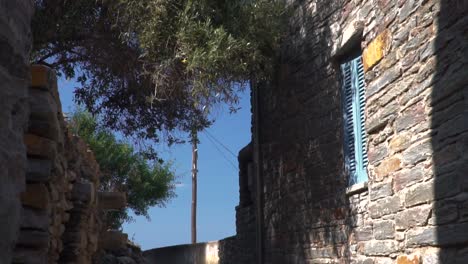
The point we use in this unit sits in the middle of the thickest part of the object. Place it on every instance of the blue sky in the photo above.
(218, 185)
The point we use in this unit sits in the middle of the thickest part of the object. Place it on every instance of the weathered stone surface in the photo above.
(387, 166)
(379, 248)
(15, 45)
(40, 76)
(30, 256)
(112, 200)
(125, 260)
(438, 235)
(382, 81)
(419, 152)
(380, 119)
(40, 146)
(83, 191)
(377, 153)
(412, 116)
(408, 177)
(406, 10)
(417, 216)
(33, 239)
(381, 190)
(363, 233)
(36, 196)
(376, 49)
(408, 259)
(420, 194)
(384, 230)
(113, 240)
(384, 206)
(35, 219)
(38, 170)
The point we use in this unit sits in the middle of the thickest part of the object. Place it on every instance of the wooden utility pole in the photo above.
(194, 186)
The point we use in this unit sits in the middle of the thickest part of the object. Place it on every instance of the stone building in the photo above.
(360, 144)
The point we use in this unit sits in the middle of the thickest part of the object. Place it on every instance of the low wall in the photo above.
(201, 253)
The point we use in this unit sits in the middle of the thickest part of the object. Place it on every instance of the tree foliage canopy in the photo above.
(158, 65)
(146, 183)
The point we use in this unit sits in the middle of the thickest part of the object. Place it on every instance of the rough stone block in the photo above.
(379, 248)
(387, 166)
(83, 191)
(35, 196)
(35, 219)
(38, 170)
(408, 177)
(385, 206)
(363, 233)
(381, 190)
(376, 49)
(40, 146)
(417, 153)
(384, 230)
(417, 216)
(447, 235)
(40, 76)
(112, 200)
(421, 193)
(113, 240)
(408, 259)
(33, 239)
(30, 256)
(399, 142)
(377, 153)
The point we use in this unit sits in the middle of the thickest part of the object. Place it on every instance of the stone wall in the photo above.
(15, 45)
(241, 248)
(414, 207)
(60, 216)
(60, 208)
(200, 253)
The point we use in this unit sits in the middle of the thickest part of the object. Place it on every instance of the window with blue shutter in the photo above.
(355, 151)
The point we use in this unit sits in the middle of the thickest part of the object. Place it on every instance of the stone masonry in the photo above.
(414, 207)
(15, 45)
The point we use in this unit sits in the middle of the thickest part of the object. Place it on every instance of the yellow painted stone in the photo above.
(39, 75)
(375, 51)
(387, 166)
(408, 259)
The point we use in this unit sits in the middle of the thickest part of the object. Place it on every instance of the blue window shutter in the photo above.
(359, 128)
(355, 149)
(348, 102)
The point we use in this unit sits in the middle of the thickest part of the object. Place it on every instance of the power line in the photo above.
(222, 153)
(219, 142)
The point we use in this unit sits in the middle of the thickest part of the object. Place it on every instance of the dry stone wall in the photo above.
(60, 210)
(15, 45)
(413, 208)
(60, 217)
